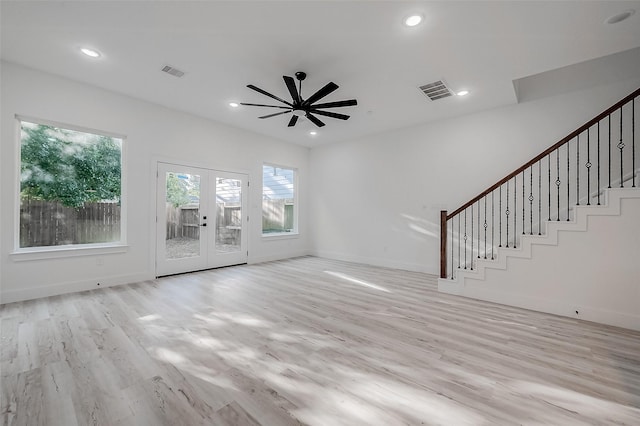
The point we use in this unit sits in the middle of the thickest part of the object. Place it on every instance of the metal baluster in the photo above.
(515, 209)
(558, 182)
(478, 230)
(598, 161)
(549, 184)
(471, 257)
(609, 150)
(539, 197)
(633, 140)
(492, 222)
(588, 166)
(452, 269)
(621, 147)
(530, 202)
(507, 214)
(523, 211)
(459, 244)
(568, 183)
(578, 170)
(500, 217)
(485, 227)
(465, 238)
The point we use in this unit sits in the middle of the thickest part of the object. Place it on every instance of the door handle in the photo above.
(204, 224)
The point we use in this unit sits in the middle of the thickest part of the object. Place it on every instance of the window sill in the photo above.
(39, 253)
(280, 236)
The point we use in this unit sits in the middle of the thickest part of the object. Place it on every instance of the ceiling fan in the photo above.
(300, 107)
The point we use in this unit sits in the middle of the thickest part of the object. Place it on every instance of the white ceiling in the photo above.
(360, 45)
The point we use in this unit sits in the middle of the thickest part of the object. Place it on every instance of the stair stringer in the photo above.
(478, 283)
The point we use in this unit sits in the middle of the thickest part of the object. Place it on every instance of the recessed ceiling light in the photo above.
(463, 93)
(619, 17)
(413, 20)
(90, 52)
(234, 104)
(313, 133)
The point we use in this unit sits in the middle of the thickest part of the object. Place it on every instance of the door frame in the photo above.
(209, 260)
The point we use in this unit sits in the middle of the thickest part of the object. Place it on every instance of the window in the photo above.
(70, 186)
(279, 213)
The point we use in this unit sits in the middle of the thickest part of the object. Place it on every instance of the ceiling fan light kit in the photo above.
(299, 107)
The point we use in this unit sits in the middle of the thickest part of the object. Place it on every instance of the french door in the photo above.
(201, 219)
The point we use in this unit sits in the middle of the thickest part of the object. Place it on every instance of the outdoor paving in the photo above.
(181, 247)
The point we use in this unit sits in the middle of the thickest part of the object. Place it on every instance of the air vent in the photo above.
(436, 90)
(172, 71)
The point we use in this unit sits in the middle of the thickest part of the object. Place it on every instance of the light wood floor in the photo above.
(307, 341)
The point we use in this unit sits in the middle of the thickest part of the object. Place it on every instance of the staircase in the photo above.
(561, 234)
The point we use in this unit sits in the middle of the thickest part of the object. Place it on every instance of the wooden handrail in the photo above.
(547, 151)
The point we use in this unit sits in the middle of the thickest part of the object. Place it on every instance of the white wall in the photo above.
(374, 200)
(377, 200)
(152, 132)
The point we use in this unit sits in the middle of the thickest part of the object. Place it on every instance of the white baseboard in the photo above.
(279, 256)
(9, 296)
(373, 261)
(449, 286)
(18, 295)
(564, 309)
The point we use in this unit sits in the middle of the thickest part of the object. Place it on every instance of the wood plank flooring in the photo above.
(307, 341)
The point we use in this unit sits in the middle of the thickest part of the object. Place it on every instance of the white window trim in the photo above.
(280, 235)
(56, 252)
(50, 252)
(294, 233)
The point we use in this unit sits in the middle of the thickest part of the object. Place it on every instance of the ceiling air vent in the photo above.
(436, 90)
(172, 71)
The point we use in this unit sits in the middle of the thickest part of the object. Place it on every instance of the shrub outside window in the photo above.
(279, 214)
(70, 186)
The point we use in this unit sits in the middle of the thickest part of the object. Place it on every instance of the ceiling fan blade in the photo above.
(262, 105)
(314, 120)
(328, 88)
(330, 114)
(291, 85)
(277, 113)
(350, 102)
(293, 121)
(259, 90)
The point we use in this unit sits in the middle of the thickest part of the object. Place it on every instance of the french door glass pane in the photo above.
(229, 215)
(183, 215)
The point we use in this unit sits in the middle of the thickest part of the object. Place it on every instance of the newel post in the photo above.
(443, 244)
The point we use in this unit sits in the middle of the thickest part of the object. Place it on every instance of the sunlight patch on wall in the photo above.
(422, 226)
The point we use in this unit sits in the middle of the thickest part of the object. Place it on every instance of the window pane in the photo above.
(70, 186)
(278, 200)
